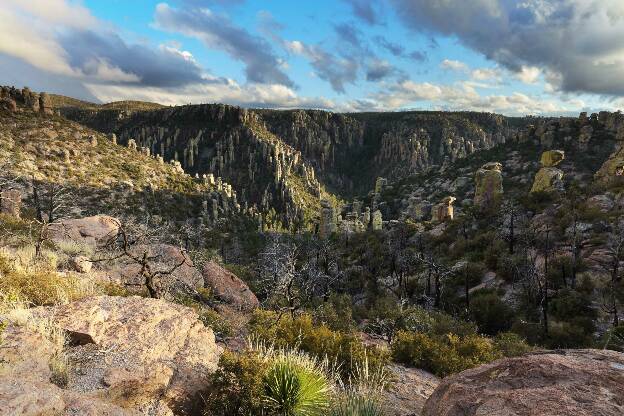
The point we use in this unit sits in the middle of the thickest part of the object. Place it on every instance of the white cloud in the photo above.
(486, 74)
(454, 65)
(529, 74)
(248, 95)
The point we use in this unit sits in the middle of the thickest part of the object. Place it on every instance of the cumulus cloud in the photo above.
(454, 65)
(579, 42)
(216, 31)
(230, 92)
(64, 45)
(463, 96)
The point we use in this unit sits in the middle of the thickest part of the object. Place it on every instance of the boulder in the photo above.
(138, 353)
(548, 179)
(549, 383)
(88, 231)
(408, 390)
(489, 186)
(26, 386)
(228, 287)
(552, 158)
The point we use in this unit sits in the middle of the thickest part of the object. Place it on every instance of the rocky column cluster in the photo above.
(549, 178)
(359, 220)
(12, 99)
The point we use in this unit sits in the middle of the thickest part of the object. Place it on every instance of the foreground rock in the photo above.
(229, 288)
(126, 356)
(160, 354)
(555, 383)
(408, 391)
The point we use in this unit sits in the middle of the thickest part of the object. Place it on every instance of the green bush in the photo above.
(343, 348)
(511, 344)
(490, 313)
(211, 319)
(443, 355)
(237, 387)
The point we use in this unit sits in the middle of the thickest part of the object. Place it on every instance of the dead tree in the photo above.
(512, 218)
(134, 243)
(611, 263)
(52, 201)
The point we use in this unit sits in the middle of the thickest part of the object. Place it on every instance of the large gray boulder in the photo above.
(550, 383)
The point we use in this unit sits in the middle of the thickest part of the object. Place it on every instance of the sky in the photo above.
(515, 57)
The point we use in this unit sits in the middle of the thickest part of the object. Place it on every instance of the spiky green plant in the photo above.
(357, 405)
(296, 385)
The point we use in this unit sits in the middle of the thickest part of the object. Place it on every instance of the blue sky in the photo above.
(512, 57)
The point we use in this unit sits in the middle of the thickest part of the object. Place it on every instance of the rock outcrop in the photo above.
(229, 288)
(137, 353)
(408, 390)
(90, 231)
(489, 186)
(613, 169)
(444, 210)
(549, 178)
(550, 383)
(126, 356)
(328, 220)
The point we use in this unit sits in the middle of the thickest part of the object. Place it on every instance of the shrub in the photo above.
(567, 335)
(443, 355)
(211, 319)
(237, 387)
(343, 348)
(490, 313)
(511, 344)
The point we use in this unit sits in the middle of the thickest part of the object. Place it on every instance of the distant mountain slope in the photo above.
(103, 176)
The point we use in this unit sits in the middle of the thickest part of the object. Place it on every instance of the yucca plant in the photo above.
(296, 385)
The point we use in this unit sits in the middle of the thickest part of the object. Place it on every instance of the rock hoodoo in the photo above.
(444, 210)
(549, 178)
(328, 219)
(489, 186)
(550, 383)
